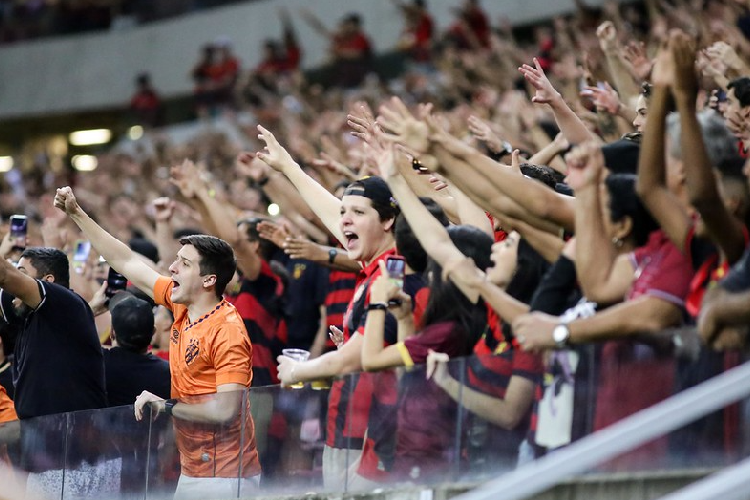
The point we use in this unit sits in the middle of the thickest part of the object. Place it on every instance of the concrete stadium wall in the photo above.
(96, 71)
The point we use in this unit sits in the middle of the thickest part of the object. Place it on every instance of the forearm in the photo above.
(624, 81)
(347, 359)
(165, 242)
(372, 346)
(429, 231)
(326, 206)
(470, 214)
(115, 252)
(504, 413)
(732, 309)
(221, 408)
(570, 125)
(643, 315)
(221, 216)
(595, 254)
(282, 192)
(545, 155)
(506, 306)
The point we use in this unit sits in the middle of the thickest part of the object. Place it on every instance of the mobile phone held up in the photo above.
(395, 266)
(115, 282)
(18, 227)
(81, 255)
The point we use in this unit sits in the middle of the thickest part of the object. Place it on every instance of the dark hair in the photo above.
(408, 245)
(133, 323)
(217, 257)
(144, 247)
(741, 88)
(446, 302)
(542, 173)
(184, 232)
(646, 90)
(49, 261)
(267, 247)
(380, 196)
(624, 202)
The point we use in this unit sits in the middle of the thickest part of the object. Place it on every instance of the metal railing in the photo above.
(628, 434)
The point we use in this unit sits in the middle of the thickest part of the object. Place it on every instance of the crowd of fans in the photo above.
(570, 216)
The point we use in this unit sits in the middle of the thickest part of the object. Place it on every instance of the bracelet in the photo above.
(377, 306)
(332, 253)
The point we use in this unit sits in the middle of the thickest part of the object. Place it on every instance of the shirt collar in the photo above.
(370, 269)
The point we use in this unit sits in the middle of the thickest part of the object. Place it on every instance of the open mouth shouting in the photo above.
(351, 239)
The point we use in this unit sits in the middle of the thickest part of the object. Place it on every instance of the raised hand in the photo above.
(402, 127)
(274, 155)
(275, 233)
(186, 178)
(585, 165)
(663, 72)
(605, 98)
(635, 54)
(65, 200)
(724, 52)
(482, 131)
(302, 248)
(545, 92)
(365, 127)
(248, 165)
(163, 209)
(685, 80)
(386, 162)
(607, 35)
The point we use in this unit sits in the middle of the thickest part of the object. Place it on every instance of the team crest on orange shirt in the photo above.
(192, 350)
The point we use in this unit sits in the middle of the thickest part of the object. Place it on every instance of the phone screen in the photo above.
(115, 282)
(82, 251)
(18, 226)
(396, 266)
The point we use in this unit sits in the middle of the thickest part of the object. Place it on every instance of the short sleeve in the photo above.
(527, 365)
(232, 355)
(441, 337)
(163, 292)
(9, 312)
(664, 274)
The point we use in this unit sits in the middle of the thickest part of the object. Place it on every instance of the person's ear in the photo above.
(624, 228)
(209, 280)
(49, 278)
(388, 225)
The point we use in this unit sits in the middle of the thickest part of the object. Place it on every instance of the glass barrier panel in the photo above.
(107, 454)
(35, 449)
(207, 449)
(290, 427)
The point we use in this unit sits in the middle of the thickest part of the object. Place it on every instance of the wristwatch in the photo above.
(332, 253)
(561, 335)
(169, 406)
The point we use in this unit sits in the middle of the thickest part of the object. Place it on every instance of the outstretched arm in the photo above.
(116, 253)
(702, 187)
(570, 125)
(326, 206)
(604, 277)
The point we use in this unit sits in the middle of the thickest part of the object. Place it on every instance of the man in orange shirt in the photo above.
(210, 358)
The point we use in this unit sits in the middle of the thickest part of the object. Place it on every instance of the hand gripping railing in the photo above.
(629, 433)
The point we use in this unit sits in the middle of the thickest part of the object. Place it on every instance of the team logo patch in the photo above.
(175, 337)
(192, 350)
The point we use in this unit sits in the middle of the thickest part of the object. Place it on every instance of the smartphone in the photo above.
(81, 255)
(395, 266)
(18, 226)
(115, 282)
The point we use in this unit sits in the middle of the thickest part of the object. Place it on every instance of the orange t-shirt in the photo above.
(7, 410)
(211, 351)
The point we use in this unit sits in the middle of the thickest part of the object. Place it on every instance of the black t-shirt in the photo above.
(129, 373)
(305, 293)
(58, 364)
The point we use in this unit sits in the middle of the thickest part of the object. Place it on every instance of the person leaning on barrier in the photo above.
(210, 357)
